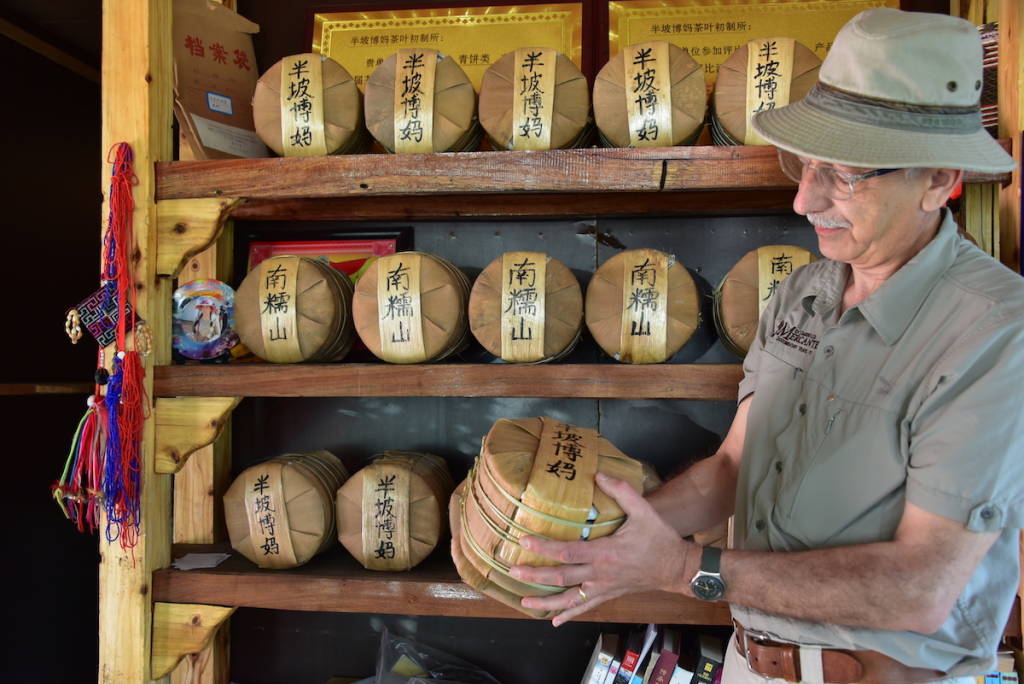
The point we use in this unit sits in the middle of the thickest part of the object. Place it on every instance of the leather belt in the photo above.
(770, 658)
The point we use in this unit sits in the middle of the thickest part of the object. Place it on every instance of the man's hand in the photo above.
(644, 554)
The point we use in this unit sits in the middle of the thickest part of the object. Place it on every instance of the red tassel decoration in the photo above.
(104, 466)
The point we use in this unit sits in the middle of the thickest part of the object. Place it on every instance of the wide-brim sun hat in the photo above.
(897, 90)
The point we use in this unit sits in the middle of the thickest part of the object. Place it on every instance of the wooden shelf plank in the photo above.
(585, 381)
(334, 582)
(522, 205)
(583, 171)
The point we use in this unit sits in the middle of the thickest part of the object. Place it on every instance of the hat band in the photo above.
(894, 115)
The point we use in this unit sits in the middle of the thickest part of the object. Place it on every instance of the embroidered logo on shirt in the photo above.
(794, 337)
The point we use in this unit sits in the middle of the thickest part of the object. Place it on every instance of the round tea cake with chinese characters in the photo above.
(533, 476)
(766, 81)
(566, 116)
(642, 306)
(747, 288)
(526, 307)
(437, 106)
(391, 513)
(410, 307)
(280, 513)
(335, 105)
(619, 101)
(290, 309)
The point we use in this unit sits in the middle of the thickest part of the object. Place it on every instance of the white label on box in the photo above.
(219, 103)
(230, 139)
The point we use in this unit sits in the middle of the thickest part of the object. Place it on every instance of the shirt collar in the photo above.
(891, 307)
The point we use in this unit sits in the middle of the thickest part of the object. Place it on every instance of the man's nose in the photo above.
(810, 195)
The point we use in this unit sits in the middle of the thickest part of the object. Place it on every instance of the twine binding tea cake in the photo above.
(533, 476)
(526, 307)
(410, 307)
(535, 99)
(308, 105)
(291, 309)
(391, 513)
(420, 101)
(650, 94)
(642, 306)
(280, 513)
(748, 287)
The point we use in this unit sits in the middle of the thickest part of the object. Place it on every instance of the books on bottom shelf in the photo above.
(652, 654)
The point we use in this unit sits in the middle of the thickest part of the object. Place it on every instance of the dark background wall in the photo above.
(50, 226)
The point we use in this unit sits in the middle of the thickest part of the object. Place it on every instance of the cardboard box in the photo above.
(214, 79)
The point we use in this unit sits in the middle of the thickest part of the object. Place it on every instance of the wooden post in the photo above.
(1011, 125)
(136, 109)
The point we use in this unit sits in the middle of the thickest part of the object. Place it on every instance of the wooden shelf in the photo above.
(334, 582)
(585, 381)
(593, 170)
(593, 181)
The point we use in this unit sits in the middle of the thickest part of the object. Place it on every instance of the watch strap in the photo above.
(711, 559)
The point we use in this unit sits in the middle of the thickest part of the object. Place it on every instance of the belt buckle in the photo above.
(763, 638)
(757, 637)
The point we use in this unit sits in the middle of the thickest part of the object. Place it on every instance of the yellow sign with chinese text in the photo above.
(711, 30)
(475, 37)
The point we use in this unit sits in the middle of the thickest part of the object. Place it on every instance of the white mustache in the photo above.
(826, 221)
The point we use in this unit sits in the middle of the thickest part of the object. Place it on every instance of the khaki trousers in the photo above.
(736, 672)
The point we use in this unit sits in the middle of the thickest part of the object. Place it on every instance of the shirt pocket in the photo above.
(847, 474)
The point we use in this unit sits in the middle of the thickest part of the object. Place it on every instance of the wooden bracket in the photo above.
(185, 227)
(180, 629)
(186, 424)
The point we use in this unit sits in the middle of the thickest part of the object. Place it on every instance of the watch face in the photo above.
(708, 587)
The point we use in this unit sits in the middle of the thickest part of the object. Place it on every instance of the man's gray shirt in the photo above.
(915, 394)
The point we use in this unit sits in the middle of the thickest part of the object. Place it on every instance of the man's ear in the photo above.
(940, 184)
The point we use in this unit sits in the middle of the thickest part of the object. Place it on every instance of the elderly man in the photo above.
(874, 465)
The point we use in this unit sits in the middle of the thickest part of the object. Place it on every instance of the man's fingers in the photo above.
(579, 609)
(631, 501)
(563, 552)
(563, 600)
(570, 602)
(555, 575)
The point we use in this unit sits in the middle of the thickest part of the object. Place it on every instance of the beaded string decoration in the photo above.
(103, 467)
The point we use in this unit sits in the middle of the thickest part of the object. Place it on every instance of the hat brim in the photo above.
(810, 132)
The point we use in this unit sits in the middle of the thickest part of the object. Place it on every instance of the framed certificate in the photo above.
(475, 36)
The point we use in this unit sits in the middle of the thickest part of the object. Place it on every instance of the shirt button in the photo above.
(778, 466)
(987, 513)
(829, 351)
(760, 525)
(803, 409)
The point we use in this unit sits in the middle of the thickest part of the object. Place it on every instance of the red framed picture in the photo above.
(352, 257)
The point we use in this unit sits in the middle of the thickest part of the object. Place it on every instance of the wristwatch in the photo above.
(707, 584)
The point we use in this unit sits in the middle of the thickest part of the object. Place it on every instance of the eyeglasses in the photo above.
(834, 183)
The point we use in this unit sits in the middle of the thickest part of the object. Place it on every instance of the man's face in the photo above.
(873, 227)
